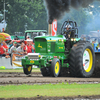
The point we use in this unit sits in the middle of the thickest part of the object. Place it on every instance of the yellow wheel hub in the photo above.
(87, 60)
(57, 67)
(29, 68)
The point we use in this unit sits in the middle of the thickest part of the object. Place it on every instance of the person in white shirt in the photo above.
(20, 49)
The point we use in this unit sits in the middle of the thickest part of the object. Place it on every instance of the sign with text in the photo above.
(54, 27)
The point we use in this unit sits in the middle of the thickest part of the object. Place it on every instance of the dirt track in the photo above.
(58, 98)
(37, 78)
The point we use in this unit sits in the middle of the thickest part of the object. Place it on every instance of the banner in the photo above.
(54, 27)
(16, 60)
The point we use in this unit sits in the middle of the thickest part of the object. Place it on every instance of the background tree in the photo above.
(22, 12)
(31, 14)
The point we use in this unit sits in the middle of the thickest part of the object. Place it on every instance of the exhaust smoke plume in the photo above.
(57, 8)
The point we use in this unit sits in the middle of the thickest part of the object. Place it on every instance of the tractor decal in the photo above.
(39, 46)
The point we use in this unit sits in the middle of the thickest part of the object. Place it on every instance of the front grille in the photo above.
(52, 47)
(33, 56)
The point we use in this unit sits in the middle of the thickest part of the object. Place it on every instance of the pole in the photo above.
(4, 14)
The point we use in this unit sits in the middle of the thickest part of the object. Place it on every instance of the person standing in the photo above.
(33, 48)
(28, 47)
(6, 54)
(2, 50)
(5, 46)
(10, 45)
(13, 49)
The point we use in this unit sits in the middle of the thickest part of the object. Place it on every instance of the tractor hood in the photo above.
(49, 44)
(52, 38)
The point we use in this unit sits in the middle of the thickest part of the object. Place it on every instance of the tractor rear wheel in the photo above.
(82, 59)
(55, 67)
(28, 69)
(45, 71)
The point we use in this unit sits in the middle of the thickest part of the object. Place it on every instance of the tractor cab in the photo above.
(69, 29)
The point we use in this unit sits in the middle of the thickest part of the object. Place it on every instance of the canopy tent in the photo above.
(4, 37)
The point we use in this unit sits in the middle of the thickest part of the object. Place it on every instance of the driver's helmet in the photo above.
(68, 27)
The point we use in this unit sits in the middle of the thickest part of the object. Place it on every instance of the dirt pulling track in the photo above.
(17, 78)
(37, 78)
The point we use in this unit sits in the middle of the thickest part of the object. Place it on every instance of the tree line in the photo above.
(32, 14)
(24, 14)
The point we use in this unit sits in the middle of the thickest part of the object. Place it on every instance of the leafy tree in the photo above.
(22, 12)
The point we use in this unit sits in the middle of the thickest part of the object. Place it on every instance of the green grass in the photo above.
(11, 91)
(18, 70)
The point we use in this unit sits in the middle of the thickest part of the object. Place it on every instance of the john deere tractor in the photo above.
(53, 53)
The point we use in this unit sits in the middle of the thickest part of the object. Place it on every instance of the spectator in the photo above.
(21, 50)
(93, 42)
(6, 54)
(16, 38)
(27, 37)
(28, 47)
(2, 50)
(5, 46)
(33, 48)
(13, 48)
(10, 45)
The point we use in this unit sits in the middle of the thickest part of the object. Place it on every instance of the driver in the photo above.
(68, 28)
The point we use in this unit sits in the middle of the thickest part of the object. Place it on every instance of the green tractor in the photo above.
(53, 53)
(33, 33)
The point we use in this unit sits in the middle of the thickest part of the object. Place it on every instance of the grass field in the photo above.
(18, 70)
(61, 89)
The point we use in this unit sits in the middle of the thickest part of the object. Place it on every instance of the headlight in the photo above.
(72, 39)
(61, 40)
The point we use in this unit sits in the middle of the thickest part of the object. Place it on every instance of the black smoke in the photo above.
(57, 8)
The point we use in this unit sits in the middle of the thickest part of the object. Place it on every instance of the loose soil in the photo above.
(18, 78)
(36, 78)
(57, 98)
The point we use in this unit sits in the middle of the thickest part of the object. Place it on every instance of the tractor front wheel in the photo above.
(27, 70)
(55, 67)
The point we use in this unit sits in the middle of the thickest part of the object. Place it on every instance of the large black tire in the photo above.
(82, 59)
(45, 71)
(55, 67)
(27, 70)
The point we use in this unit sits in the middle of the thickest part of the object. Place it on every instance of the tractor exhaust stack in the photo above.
(50, 29)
